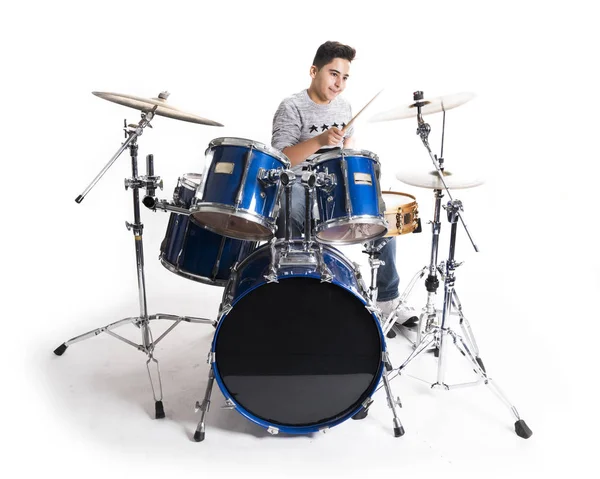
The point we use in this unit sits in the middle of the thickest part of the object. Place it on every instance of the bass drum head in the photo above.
(299, 353)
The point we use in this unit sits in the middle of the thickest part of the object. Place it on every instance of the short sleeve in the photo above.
(287, 126)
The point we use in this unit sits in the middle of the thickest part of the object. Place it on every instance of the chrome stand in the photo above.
(432, 332)
(439, 335)
(148, 344)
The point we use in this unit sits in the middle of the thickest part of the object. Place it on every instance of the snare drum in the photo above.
(350, 210)
(193, 252)
(236, 200)
(293, 353)
(401, 213)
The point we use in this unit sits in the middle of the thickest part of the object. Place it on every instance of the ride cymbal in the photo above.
(149, 104)
(428, 106)
(432, 181)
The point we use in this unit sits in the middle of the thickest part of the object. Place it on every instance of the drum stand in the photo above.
(309, 181)
(436, 335)
(149, 182)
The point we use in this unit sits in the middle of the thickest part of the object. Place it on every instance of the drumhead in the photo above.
(229, 141)
(298, 353)
(338, 153)
(395, 199)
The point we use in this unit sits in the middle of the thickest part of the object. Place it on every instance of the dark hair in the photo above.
(331, 50)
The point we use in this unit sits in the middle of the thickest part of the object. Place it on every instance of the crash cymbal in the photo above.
(432, 105)
(148, 104)
(432, 181)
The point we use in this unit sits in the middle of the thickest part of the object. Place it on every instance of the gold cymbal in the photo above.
(428, 106)
(149, 104)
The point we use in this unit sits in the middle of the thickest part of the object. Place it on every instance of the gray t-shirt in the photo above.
(298, 119)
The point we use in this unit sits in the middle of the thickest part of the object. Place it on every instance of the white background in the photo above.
(530, 293)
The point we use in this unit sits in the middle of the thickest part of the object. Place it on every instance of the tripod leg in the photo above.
(204, 407)
(422, 346)
(159, 411)
(521, 427)
(398, 428)
(465, 325)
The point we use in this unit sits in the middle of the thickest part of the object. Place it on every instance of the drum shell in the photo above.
(364, 197)
(232, 185)
(250, 277)
(193, 252)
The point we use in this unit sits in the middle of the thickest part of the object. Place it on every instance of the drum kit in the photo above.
(299, 343)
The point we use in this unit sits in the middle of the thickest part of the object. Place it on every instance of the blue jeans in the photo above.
(387, 275)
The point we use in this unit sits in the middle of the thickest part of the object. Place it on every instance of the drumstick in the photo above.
(356, 116)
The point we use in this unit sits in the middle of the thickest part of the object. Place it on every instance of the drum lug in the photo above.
(226, 309)
(271, 277)
(367, 402)
(228, 404)
(324, 430)
(211, 357)
(273, 430)
(344, 167)
(326, 274)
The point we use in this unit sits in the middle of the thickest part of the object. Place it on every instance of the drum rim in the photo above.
(339, 153)
(234, 141)
(185, 274)
(400, 193)
(185, 181)
(282, 427)
(246, 215)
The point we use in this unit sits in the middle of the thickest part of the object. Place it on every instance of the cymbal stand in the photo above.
(437, 334)
(150, 183)
(429, 313)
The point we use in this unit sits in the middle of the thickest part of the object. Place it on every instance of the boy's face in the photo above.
(329, 81)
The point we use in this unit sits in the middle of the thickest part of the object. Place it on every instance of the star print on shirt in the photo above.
(324, 127)
(314, 128)
(343, 125)
(335, 125)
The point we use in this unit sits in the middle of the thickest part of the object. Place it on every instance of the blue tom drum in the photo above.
(193, 252)
(236, 199)
(350, 208)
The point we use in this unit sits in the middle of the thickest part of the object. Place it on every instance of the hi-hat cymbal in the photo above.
(148, 104)
(433, 105)
(432, 180)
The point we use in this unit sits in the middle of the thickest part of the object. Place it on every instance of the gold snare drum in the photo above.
(401, 213)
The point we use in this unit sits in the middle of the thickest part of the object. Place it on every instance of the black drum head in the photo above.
(299, 352)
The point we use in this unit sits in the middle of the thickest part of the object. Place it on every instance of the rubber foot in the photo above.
(436, 352)
(398, 431)
(60, 350)
(480, 362)
(199, 436)
(159, 410)
(391, 334)
(522, 429)
(360, 414)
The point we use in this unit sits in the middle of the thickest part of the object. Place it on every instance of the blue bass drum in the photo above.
(351, 209)
(235, 199)
(292, 353)
(193, 252)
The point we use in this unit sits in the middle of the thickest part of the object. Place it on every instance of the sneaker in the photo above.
(404, 314)
(387, 307)
(407, 316)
